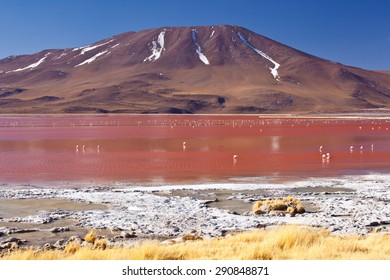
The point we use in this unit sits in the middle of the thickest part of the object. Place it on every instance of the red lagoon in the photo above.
(187, 148)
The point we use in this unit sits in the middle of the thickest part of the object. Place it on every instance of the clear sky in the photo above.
(351, 32)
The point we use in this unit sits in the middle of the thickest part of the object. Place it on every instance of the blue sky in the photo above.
(355, 33)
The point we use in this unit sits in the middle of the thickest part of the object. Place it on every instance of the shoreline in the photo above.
(348, 205)
(363, 112)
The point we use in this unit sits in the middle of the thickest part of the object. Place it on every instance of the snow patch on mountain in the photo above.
(274, 70)
(90, 47)
(60, 56)
(89, 60)
(31, 66)
(157, 47)
(201, 55)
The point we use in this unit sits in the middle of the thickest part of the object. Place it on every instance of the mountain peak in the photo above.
(194, 69)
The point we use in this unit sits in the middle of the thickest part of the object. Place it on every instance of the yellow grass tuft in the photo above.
(278, 243)
(290, 199)
(191, 237)
(257, 205)
(288, 205)
(101, 244)
(278, 206)
(91, 236)
(72, 248)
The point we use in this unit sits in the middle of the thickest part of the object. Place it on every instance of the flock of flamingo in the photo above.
(325, 156)
(84, 148)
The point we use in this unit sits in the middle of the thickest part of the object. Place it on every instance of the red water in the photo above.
(149, 148)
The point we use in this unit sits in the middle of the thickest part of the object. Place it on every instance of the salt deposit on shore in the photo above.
(345, 205)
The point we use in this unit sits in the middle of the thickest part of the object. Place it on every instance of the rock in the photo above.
(223, 232)
(14, 230)
(59, 229)
(277, 213)
(48, 247)
(210, 201)
(10, 246)
(14, 240)
(15, 220)
(116, 229)
(261, 226)
(125, 234)
(47, 220)
(116, 238)
(74, 239)
(36, 220)
(175, 229)
(259, 212)
(374, 224)
(60, 244)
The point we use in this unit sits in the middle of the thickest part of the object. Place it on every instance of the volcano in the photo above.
(195, 70)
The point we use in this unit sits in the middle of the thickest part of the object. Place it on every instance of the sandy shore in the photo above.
(39, 215)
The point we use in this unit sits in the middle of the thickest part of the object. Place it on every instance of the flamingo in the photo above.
(77, 148)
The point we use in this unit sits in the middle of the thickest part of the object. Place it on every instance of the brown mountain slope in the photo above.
(215, 69)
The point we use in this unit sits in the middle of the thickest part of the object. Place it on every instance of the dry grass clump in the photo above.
(91, 236)
(72, 248)
(191, 237)
(286, 205)
(279, 243)
(99, 242)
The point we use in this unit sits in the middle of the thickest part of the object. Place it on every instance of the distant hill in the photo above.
(206, 69)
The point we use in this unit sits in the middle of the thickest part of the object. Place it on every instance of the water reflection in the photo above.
(275, 143)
